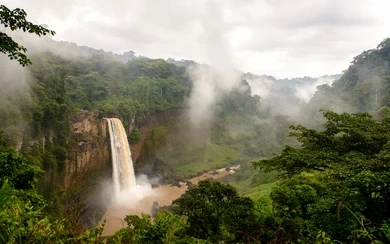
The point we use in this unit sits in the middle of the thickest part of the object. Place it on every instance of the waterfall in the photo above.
(122, 165)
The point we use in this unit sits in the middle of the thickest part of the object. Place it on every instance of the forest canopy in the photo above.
(330, 180)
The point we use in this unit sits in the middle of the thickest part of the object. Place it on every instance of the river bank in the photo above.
(143, 196)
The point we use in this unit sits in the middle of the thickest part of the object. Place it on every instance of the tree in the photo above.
(14, 169)
(293, 197)
(135, 135)
(353, 141)
(216, 212)
(23, 212)
(16, 20)
(350, 160)
(164, 228)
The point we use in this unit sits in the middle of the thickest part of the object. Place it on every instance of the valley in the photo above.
(110, 146)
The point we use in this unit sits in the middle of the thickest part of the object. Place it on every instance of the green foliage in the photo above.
(135, 135)
(239, 102)
(15, 170)
(163, 229)
(364, 86)
(186, 152)
(105, 85)
(58, 88)
(16, 20)
(346, 194)
(22, 222)
(23, 218)
(293, 197)
(337, 185)
(383, 113)
(386, 229)
(347, 140)
(215, 212)
(322, 238)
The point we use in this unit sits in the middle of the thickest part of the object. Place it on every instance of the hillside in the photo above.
(52, 91)
(362, 87)
(53, 110)
(38, 109)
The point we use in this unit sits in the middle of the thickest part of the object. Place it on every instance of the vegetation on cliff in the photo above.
(342, 195)
(330, 185)
(37, 119)
(364, 86)
(25, 216)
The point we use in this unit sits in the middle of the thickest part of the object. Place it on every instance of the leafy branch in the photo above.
(16, 20)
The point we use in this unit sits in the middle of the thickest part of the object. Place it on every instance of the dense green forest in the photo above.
(333, 188)
(362, 87)
(326, 183)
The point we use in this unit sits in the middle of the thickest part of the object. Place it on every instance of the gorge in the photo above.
(138, 197)
(63, 147)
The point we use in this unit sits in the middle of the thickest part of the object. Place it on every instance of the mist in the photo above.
(261, 86)
(39, 44)
(306, 91)
(14, 100)
(286, 96)
(211, 82)
(134, 196)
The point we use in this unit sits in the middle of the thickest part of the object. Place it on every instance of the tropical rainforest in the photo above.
(319, 175)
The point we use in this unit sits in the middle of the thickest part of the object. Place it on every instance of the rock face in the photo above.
(88, 170)
(145, 126)
(89, 159)
(91, 150)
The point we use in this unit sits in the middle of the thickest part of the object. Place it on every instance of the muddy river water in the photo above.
(141, 198)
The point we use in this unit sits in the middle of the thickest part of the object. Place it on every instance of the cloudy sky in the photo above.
(283, 38)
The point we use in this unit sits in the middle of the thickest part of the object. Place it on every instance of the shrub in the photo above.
(135, 135)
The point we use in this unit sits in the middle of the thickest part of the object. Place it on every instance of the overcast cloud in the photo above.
(283, 38)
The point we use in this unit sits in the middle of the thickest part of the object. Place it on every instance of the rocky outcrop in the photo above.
(90, 152)
(88, 171)
(89, 158)
(145, 126)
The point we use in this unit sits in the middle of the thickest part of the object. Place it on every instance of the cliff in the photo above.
(89, 159)
(88, 170)
(87, 173)
(90, 152)
(145, 152)
(145, 127)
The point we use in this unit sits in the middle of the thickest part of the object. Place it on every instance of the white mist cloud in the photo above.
(134, 196)
(306, 91)
(13, 77)
(143, 179)
(260, 86)
(14, 99)
(210, 82)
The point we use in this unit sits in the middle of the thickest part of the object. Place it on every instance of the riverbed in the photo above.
(141, 198)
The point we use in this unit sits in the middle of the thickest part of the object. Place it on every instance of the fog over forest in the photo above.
(194, 121)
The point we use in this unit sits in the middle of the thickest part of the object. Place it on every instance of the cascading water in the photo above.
(122, 165)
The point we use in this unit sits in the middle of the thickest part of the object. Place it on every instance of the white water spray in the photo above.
(122, 165)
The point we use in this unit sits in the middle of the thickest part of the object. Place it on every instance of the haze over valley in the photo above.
(194, 122)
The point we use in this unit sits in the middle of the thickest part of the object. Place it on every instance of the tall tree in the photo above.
(349, 158)
(216, 212)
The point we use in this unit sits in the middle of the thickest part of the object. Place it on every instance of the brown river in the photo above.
(141, 198)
